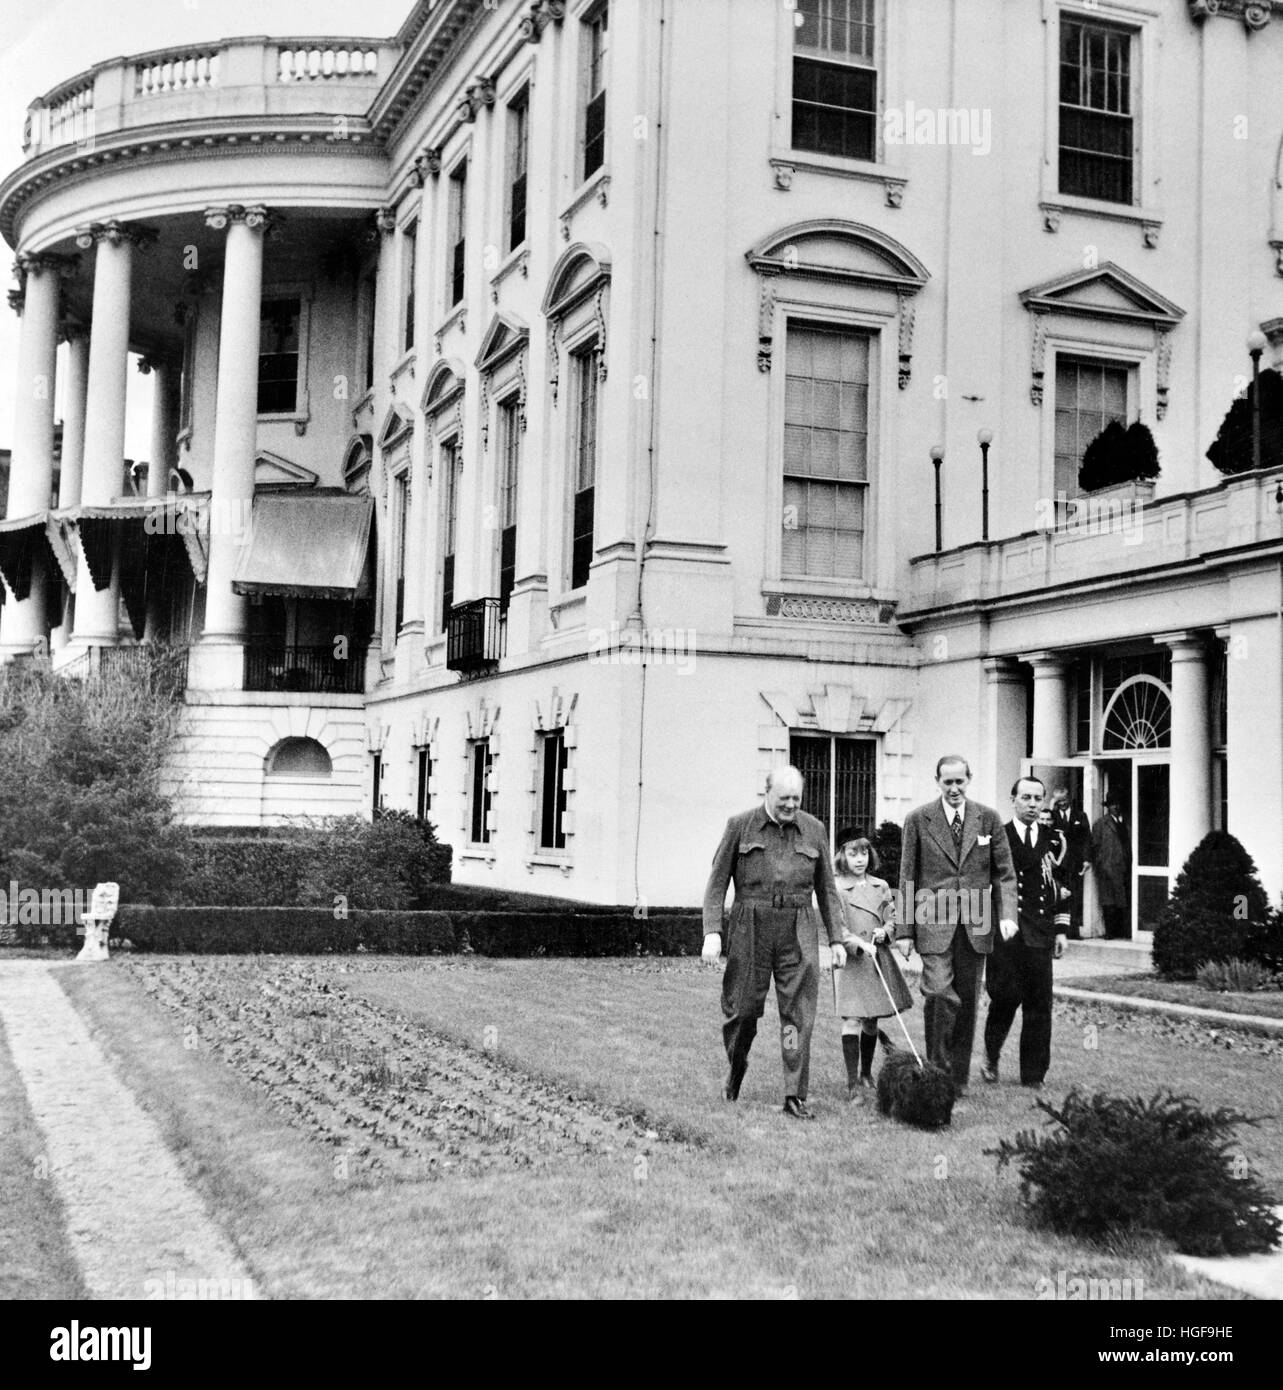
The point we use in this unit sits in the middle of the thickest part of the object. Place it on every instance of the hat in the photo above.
(849, 833)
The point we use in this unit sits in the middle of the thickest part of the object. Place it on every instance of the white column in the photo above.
(236, 416)
(1191, 777)
(1051, 704)
(163, 427)
(97, 610)
(75, 394)
(22, 622)
(1004, 732)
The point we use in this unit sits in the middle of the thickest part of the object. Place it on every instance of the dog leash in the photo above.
(898, 1016)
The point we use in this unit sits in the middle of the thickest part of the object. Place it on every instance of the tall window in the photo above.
(369, 297)
(594, 112)
(583, 461)
(187, 379)
(1097, 134)
(401, 521)
(456, 233)
(479, 763)
(278, 352)
(518, 157)
(422, 794)
(826, 434)
(552, 796)
(509, 465)
(840, 786)
(1089, 394)
(451, 462)
(835, 80)
(376, 782)
(410, 239)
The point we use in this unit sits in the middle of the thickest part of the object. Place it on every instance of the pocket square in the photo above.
(983, 839)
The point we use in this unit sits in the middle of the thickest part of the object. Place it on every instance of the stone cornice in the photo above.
(1255, 14)
(175, 141)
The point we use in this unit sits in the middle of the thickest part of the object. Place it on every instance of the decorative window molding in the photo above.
(358, 459)
(1127, 310)
(482, 725)
(577, 290)
(554, 715)
(1255, 14)
(842, 252)
(398, 426)
(303, 292)
(271, 470)
(502, 349)
(443, 388)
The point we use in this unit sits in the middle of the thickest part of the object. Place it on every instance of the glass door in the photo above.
(1151, 842)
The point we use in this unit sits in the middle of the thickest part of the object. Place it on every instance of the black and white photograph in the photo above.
(641, 658)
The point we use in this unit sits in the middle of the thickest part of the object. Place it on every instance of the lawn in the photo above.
(375, 1128)
(1261, 1003)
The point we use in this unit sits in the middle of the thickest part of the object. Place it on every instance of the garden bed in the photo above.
(1261, 1003)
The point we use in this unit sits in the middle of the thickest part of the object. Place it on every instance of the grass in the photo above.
(1261, 1003)
(759, 1206)
(35, 1260)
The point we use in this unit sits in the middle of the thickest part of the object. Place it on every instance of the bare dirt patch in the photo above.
(392, 1098)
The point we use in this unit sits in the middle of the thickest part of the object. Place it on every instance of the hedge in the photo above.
(316, 931)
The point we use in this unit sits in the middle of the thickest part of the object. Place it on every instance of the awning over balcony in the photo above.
(20, 540)
(306, 545)
(143, 540)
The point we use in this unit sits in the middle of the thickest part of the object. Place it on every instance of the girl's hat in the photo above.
(849, 833)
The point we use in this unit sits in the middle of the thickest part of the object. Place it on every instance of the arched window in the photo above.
(298, 757)
(1139, 715)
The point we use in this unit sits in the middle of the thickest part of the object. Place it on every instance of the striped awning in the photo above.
(306, 545)
(21, 539)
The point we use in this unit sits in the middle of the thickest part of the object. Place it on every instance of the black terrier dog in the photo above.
(916, 1095)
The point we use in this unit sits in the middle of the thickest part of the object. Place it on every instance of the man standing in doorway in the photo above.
(1020, 968)
(777, 856)
(1076, 830)
(1111, 856)
(954, 864)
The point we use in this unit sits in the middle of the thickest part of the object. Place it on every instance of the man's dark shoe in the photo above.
(989, 1072)
(797, 1108)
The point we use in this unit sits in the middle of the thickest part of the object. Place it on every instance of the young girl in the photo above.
(860, 996)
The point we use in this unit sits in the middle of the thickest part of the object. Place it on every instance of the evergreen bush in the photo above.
(1231, 451)
(1217, 910)
(1126, 1164)
(1119, 455)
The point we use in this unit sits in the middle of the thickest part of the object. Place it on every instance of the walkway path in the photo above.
(135, 1225)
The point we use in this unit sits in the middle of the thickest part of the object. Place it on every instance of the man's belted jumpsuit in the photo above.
(772, 931)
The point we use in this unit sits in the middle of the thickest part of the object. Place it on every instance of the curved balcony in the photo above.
(230, 78)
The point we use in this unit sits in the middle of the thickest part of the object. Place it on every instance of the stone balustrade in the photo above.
(233, 78)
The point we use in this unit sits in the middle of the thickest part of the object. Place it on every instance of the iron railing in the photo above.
(474, 636)
(309, 669)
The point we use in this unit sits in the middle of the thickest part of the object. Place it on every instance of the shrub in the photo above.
(888, 840)
(1217, 910)
(1231, 450)
(1119, 455)
(81, 794)
(1126, 1164)
(1233, 975)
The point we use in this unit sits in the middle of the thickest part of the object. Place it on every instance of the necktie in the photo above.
(956, 827)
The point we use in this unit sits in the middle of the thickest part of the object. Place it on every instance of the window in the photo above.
(451, 463)
(299, 757)
(594, 112)
(479, 796)
(376, 782)
(369, 297)
(826, 432)
(552, 798)
(188, 377)
(1097, 134)
(518, 157)
(456, 233)
(509, 464)
(278, 356)
(840, 786)
(835, 80)
(409, 255)
(583, 461)
(401, 523)
(423, 794)
(1089, 394)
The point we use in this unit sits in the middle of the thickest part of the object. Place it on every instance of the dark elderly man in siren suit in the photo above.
(777, 856)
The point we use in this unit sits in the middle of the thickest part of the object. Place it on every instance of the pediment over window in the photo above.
(271, 470)
(834, 249)
(507, 334)
(445, 381)
(398, 424)
(1106, 292)
(357, 458)
(580, 269)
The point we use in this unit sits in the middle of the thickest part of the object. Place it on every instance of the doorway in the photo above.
(1142, 784)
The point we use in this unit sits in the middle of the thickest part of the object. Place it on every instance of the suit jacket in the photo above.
(964, 882)
(1112, 860)
(1037, 889)
(746, 857)
(1076, 829)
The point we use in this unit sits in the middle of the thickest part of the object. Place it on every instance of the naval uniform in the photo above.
(776, 867)
(1020, 969)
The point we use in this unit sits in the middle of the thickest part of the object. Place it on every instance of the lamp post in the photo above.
(937, 458)
(984, 438)
(1255, 347)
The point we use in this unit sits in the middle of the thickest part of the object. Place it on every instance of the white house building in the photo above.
(550, 399)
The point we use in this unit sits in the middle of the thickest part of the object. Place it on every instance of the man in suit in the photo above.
(778, 857)
(1075, 828)
(1111, 857)
(955, 855)
(1019, 974)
